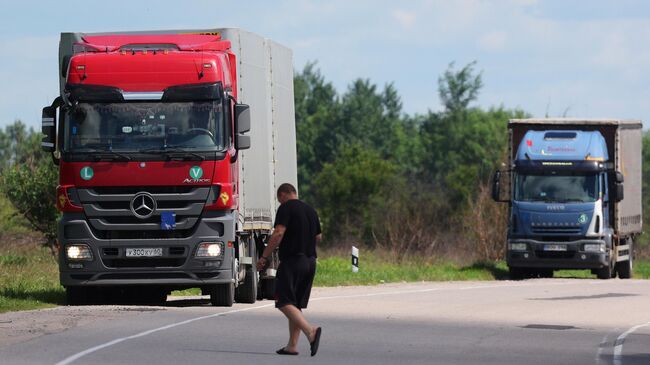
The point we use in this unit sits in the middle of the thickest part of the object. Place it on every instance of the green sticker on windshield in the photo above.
(87, 173)
(582, 219)
(196, 172)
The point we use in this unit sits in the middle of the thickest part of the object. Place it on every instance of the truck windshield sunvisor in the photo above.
(557, 188)
(195, 92)
(94, 93)
(548, 167)
(137, 126)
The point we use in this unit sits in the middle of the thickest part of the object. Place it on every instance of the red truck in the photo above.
(163, 183)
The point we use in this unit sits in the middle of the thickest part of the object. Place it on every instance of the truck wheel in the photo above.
(266, 289)
(76, 295)
(518, 273)
(546, 273)
(606, 272)
(222, 295)
(625, 269)
(247, 291)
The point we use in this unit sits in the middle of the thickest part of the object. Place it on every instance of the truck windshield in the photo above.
(556, 188)
(135, 126)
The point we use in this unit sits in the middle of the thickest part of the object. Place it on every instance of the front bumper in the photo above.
(535, 256)
(176, 268)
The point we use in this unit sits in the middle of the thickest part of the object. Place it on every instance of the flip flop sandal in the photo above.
(314, 344)
(282, 351)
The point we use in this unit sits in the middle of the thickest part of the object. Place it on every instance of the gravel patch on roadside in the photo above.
(16, 327)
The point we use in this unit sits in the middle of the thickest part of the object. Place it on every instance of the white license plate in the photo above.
(143, 252)
(554, 247)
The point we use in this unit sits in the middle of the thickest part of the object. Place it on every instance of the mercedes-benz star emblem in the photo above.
(143, 205)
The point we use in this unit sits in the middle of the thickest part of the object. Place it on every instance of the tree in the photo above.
(462, 145)
(347, 189)
(19, 145)
(458, 89)
(29, 179)
(317, 109)
(645, 239)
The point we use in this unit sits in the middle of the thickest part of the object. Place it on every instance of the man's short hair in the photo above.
(287, 189)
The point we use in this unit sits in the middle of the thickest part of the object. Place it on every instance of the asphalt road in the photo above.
(544, 321)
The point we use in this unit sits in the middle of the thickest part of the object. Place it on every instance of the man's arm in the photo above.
(273, 243)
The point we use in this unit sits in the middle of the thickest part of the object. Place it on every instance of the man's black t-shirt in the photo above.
(302, 227)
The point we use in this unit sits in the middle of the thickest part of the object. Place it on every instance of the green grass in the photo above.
(29, 278)
(373, 269)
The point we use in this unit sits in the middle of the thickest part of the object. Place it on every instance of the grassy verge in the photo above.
(29, 277)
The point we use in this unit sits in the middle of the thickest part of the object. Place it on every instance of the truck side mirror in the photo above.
(48, 128)
(242, 142)
(496, 188)
(619, 177)
(619, 191)
(242, 125)
(242, 118)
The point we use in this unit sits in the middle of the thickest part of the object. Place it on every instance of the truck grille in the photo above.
(148, 262)
(109, 213)
(555, 255)
(557, 230)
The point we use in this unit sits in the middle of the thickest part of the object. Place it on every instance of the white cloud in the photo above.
(493, 41)
(406, 19)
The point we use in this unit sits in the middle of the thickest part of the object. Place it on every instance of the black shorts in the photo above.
(293, 281)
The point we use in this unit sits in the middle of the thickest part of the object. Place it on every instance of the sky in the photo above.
(549, 58)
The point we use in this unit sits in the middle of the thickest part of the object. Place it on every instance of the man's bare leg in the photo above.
(295, 316)
(294, 336)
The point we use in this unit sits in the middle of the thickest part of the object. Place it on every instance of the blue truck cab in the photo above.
(565, 193)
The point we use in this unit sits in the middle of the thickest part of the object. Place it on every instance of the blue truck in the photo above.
(573, 187)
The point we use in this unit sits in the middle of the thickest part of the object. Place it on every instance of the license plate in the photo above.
(554, 247)
(143, 252)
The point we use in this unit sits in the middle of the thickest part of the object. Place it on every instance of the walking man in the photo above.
(297, 231)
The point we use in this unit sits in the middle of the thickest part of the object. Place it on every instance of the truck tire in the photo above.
(266, 289)
(222, 295)
(606, 272)
(625, 269)
(247, 291)
(545, 273)
(518, 273)
(76, 295)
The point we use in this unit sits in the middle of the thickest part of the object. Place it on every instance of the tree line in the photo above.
(379, 177)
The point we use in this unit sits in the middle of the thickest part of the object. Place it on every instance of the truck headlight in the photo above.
(594, 247)
(78, 252)
(209, 249)
(517, 247)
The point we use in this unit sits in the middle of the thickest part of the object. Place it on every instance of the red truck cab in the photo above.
(149, 134)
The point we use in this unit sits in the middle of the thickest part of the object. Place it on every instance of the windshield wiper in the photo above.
(173, 152)
(106, 155)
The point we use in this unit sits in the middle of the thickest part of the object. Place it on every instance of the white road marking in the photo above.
(601, 346)
(81, 354)
(618, 348)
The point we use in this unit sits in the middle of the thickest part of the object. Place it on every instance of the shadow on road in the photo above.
(497, 272)
(52, 296)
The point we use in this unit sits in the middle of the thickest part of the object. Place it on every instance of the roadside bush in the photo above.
(31, 188)
(485, 225)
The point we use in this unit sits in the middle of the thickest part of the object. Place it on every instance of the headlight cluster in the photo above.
(594, 247)
(78, 252)
(209, 249)
(517, 247)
